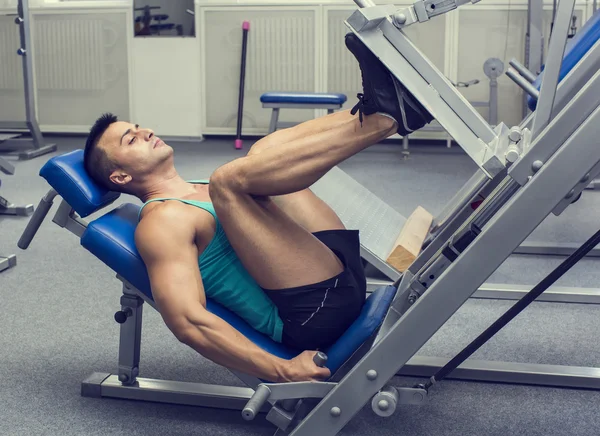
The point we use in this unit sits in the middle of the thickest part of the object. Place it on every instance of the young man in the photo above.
(255, 238)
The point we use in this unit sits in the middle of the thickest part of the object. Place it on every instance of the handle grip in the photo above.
(260, 397)
(320, 359)
(35, 222)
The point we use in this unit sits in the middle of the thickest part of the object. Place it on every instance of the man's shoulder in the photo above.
(172, 219)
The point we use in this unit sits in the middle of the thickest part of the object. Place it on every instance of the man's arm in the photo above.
(166, 241)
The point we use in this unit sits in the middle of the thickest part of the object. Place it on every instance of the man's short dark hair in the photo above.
(96, 162)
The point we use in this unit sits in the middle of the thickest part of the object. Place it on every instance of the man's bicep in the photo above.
(171, 259)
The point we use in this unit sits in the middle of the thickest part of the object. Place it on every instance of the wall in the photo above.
(292, 46)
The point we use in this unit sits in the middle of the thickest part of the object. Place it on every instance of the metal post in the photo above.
(130, 318)
(556, 51)
(23, 20)
(534, 41)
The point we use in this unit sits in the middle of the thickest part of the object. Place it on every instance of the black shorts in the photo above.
(315, 316)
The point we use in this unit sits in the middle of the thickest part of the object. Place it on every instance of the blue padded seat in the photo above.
(111, 239)
(303, 98)
(575, 49)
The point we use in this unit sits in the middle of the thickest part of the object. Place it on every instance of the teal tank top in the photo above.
(227, 281)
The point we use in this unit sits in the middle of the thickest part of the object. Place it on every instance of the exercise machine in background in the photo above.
(7, 208)
(11, 140)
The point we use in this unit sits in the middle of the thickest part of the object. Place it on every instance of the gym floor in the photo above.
(58, 304)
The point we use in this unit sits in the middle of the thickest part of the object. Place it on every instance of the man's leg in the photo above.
(304, 207)
(277, 251)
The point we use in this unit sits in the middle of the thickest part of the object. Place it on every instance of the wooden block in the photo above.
(409, 243)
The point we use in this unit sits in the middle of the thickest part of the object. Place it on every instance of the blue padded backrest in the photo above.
(111, 239)
(67, 175)
(575, 49)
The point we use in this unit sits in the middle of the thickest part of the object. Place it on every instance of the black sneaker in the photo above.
(383, 93)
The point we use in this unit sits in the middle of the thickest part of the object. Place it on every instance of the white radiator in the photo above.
(69, 54)
(280, 53)
(343, 73)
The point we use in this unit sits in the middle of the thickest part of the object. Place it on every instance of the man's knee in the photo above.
(227, 180)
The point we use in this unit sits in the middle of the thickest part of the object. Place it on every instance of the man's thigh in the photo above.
(309, 211)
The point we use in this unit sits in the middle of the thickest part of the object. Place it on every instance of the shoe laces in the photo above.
(360, 107)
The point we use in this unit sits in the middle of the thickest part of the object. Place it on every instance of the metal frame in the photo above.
(550, 169)
(8, 208)
(40, 148)
(275, 124)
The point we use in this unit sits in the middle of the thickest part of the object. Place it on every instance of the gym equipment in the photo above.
(525, 173)
(299, 100)
(111, 239)
(492, 68)
(245, 29)
(7, 208)
(10, 141)
(576, 49)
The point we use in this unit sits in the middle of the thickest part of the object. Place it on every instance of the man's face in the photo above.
(135, 150)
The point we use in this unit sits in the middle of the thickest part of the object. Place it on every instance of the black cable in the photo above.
(517, 308)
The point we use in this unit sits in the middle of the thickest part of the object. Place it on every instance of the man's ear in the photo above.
(120, 178)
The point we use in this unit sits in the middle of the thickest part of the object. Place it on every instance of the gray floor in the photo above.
(57, 327)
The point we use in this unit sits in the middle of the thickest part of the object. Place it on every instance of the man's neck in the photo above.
(168, 187)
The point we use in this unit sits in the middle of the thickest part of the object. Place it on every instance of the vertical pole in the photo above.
(556, 51)
(23, 20)
(534, 41)
(238, 140)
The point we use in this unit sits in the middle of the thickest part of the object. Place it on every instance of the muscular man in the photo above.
(255, 238)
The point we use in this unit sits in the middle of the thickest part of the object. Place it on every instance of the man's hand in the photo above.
(303, 368)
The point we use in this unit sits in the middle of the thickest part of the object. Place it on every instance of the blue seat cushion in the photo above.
(575, 49)
(67, 175)
(111, 239)
(303, 98)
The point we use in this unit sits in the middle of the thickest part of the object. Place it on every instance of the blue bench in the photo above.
(299, 100)
(110, 238)
(575, 49)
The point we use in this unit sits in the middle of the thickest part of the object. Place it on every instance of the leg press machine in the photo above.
(526, 172)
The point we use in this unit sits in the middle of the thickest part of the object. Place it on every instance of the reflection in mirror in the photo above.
(164, 18)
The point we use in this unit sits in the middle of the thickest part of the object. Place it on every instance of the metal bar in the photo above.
(173, 392)
(552, 248)
(7, 262)
(432, 89)
(364, 3)
(36, 220)
(576, 79)
(534, 43)
(13, 125)
(577, 109)
(494, 291)
(523, 83)
(508, 372)
(523, 71)
(555, 294)
(448, 292)
(440, 83)
(24, 22)
(6, 167)
(556, 51)
(8, 208)
(470, 189)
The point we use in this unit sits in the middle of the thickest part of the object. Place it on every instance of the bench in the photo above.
(299, 100)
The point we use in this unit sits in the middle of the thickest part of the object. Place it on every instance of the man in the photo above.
(255, 238)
